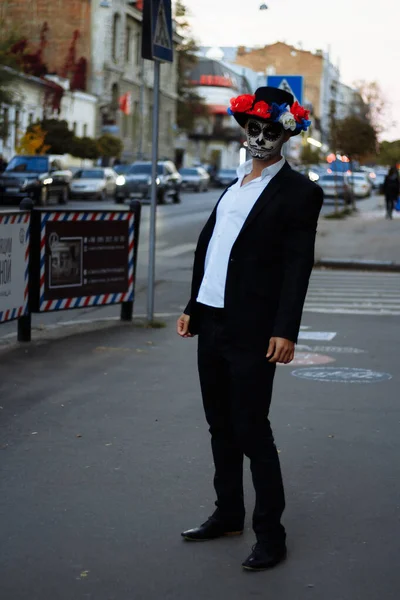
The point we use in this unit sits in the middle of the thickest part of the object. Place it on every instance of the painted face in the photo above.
(264, 140)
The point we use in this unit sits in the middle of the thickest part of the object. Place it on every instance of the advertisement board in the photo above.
(86, 259)
(14, 258)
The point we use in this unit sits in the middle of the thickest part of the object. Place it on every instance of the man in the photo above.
(250, 277)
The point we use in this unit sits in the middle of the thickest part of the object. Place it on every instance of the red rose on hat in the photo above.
(261, 109)
(242, 103)
(299, 112)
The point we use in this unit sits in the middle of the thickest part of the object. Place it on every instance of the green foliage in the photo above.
(389, 153)
(355, 137)
(109, 145)
(310, 155)
(58, 137)
(85, 147)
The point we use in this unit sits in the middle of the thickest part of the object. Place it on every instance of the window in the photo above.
(135, 116)
(30, 118)
(5, 124)
(85, 130)
(74, 127)
(17, 126)
(138, 52)
(125, 125)
(115, 36)
(128, 44)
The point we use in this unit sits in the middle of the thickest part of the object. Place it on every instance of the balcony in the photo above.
(224, 134)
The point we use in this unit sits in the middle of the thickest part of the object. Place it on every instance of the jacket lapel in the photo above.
(266, 196)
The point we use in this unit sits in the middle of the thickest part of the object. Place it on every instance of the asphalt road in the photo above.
(104, 451)
(105, 459)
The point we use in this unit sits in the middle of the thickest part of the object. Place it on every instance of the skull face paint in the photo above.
(264, 140)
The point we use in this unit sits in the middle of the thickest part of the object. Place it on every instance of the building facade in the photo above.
(78, 108)
(117, 70)
(216, 138)
(96, 45)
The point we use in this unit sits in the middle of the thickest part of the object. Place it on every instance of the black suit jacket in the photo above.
(270, 262)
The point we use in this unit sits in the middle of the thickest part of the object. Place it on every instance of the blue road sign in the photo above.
(289, 83)
(157, 30)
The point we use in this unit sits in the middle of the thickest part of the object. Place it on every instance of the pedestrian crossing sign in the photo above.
(157, 30)
(290, 83)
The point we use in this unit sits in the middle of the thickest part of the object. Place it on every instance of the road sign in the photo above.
(157, 30)
(290, 83)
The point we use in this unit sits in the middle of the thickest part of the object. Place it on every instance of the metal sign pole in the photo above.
(153, 207)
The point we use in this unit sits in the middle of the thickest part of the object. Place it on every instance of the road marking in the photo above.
(330, 349)
(341, 375)
(310, 358)
(175, 251)
(317, 335)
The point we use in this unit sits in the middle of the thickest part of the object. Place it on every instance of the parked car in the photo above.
(41, 178)
(359, 183)
(379, 179)
(334, 186)
(136, 182)
(95, 182)
(225, 176)
(195, 178)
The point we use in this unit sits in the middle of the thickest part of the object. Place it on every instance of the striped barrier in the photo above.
(94, 300)
(18, 219)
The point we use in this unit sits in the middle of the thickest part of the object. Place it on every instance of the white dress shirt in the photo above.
(232, 212)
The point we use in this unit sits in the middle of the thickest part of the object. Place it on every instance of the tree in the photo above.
(310, 155)
(376, 108)
(85, 147)
(389, 153)
(190, 104)
(33, 141)
(58, 136)
(109, 145)
(355, 137)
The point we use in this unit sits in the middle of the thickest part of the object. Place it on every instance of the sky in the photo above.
(362, 36)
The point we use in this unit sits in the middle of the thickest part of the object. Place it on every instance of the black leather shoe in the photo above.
(210, 530)
(264, 556)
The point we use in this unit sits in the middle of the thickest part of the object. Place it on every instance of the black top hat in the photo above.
(272, 105)
(269, 95)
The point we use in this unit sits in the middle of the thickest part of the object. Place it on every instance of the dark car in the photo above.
(138, 182)
(225, 176)
(38, 177)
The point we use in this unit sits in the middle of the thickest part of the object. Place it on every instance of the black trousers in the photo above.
(390, 202)
(236, 385)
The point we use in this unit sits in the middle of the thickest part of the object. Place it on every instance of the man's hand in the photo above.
(280, 350)
(182, 326)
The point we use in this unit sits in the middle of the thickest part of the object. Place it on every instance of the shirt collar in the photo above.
(271, 171)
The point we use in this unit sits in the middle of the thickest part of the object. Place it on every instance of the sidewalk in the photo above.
(366, 236)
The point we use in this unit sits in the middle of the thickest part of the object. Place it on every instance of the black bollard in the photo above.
(25, 322)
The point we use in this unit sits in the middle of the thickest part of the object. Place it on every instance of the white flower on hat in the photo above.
(288, 121)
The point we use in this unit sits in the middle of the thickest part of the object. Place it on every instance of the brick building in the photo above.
(61, 29)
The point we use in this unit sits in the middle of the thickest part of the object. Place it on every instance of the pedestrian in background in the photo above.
(250, 277)
(391, 189)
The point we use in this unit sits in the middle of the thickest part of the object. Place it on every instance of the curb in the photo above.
(386, 266)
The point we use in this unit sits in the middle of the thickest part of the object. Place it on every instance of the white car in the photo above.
(95, 182)
(195, 178)
(360, 184)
